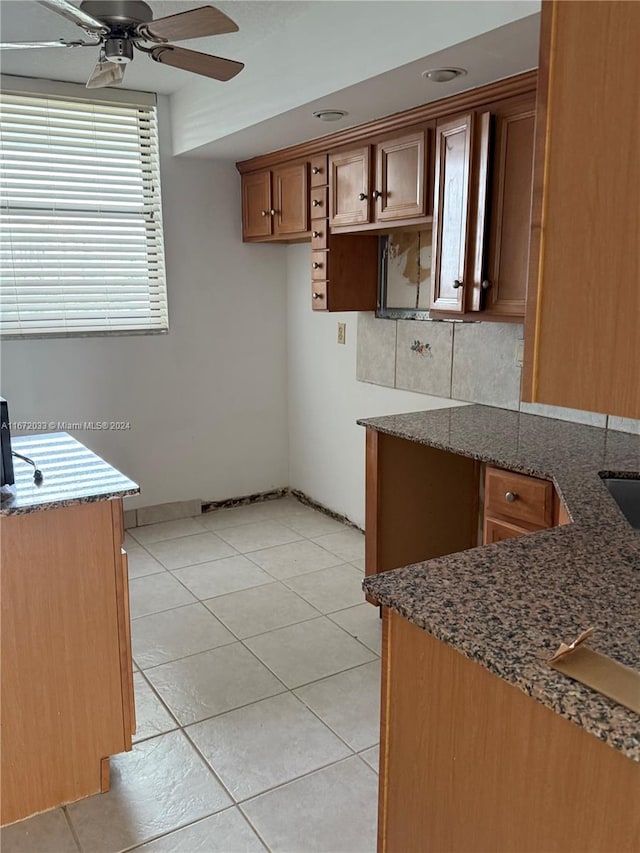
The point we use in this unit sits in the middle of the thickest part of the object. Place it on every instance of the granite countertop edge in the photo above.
(83, 499)
(513, 632)
(73, 474)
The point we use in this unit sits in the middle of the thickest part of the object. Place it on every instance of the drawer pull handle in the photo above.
(376, 194)
(316, 170)
(316, 235)
(316, 265)
(316, 295)
(316, 202)
(510, 497)
(457, 283)
(362, 197)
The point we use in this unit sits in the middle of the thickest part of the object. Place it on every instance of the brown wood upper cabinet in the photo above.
(275, 203)
(383, 183)
(482, 201)
(582, 336)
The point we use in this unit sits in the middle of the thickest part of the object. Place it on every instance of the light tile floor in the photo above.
(257, 692)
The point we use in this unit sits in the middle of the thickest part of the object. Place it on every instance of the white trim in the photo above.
(75, 91)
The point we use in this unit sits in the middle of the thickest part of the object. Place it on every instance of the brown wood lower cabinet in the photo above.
(471, 764)
(516, 504)
(67, 682)
(422, 502)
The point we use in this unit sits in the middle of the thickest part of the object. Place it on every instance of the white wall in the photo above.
(207, 402)
(326, 447)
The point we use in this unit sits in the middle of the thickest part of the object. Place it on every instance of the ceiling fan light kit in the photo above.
(119, 26)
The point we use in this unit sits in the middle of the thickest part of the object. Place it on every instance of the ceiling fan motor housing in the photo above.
(118, 50)
(118, 13)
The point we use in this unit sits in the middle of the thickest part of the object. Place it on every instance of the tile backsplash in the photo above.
(474, 362)
(470, 362)
(424, 352)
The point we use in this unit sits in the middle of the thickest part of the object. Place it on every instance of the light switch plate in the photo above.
(342, 333)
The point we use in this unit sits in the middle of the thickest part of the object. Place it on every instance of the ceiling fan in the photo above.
(119, 26)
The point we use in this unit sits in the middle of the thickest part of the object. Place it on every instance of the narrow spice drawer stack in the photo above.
(344, 268)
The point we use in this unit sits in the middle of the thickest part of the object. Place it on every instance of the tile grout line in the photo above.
(137, 846)
(72, 828)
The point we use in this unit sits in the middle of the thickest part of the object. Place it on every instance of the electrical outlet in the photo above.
(519, 357)
(342, 333)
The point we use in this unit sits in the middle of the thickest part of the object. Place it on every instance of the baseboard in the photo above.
(307, 501)
(258, 497)
(187, 509)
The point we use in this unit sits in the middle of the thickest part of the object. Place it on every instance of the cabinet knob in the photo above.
(510, 497)
(457, 283)
(362, 196)
(316, 295)
(264, 212)
(316, 202)
(316, 234)
(273, 212)
(316, 170)
(376, 194)
(486, 284)
(315, 265)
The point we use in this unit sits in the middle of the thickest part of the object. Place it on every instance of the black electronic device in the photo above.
(6, 461)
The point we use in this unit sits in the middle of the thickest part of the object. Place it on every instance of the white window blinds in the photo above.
(81, 247)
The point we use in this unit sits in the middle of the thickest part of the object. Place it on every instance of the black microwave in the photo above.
(6, 462)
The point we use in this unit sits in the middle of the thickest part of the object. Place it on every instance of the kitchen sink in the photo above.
(626, 493)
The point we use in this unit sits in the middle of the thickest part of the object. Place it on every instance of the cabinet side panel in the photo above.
(61, 687)
(473, 765)
(588, 346)
(428, 502)
(530, 363)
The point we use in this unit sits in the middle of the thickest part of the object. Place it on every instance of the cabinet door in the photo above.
(399, 190)
(508, 251)
(291, 200)
(349, 187)
(451, 212)
(256, 205)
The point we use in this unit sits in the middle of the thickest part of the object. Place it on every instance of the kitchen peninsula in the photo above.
(67, 683)
(469, 761)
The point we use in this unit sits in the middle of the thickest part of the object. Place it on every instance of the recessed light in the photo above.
(443, 75)
(330, 115)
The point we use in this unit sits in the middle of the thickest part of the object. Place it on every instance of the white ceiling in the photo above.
(364, 56)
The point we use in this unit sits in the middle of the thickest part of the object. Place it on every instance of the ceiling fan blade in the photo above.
(106, 74)
(205, 21)
(72, 13)
(197, 63)
(19, 45)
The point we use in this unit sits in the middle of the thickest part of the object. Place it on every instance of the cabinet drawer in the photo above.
(319, 173)
(517, 497)
(319, 266)
(497, 530)
(319, 235)
(319, 203)
(319, 295)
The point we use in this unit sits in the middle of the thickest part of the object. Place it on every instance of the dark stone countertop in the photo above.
(509, 605)
(72, 475)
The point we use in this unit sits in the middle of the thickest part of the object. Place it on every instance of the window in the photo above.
(81, 247)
